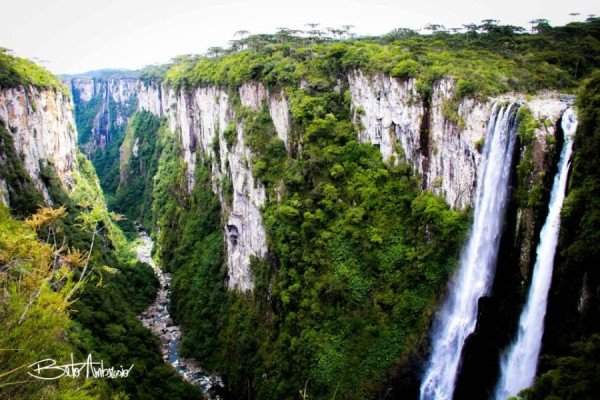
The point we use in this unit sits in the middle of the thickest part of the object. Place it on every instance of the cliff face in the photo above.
(439, 138)
(43, 132)
(200, 117)
(108, 104)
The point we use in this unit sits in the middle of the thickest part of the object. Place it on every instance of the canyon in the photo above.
(316, 216)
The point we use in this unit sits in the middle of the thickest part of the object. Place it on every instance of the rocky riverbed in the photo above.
(157, 318)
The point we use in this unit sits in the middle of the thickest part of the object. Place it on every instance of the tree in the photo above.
(403, 33)
(336, 33)
(487, 25)
(435, 28)
(347, 29)
(215, 51)
(539, 25)
(470, 29)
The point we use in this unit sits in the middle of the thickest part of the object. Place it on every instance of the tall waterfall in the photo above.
(518, 365)
(478, 259)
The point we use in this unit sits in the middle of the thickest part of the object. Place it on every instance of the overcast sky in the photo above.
(71, 36)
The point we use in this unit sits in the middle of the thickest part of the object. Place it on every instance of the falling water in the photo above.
(478, 259)
(518, 365)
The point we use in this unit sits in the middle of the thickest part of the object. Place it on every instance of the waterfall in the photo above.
(478, 258)
(518, 365)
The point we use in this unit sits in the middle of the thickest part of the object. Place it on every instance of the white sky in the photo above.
(72, 36)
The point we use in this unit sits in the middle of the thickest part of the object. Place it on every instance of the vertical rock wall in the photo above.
(43, 130)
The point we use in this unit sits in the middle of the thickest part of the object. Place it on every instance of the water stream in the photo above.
(157, 318)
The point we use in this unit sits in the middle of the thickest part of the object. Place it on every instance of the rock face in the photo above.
(439, 138)
(43, 130)
(199, 117)
(112, 101)
(254, 95)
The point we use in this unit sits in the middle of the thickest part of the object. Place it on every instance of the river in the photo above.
(158, 320)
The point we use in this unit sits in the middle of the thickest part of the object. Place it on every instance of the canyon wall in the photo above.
(43, 133)
(440, 138)
(200, 117)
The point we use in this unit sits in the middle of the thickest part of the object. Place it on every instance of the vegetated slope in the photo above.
(70, 282)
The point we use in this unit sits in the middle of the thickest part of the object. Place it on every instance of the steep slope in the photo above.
(569, 368)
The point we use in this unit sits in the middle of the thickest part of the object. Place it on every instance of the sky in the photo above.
(74, 36)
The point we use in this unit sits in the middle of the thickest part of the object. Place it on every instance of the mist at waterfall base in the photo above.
(478, 259)
(519, 364)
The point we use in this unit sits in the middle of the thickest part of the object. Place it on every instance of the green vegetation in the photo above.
(191, 246)
(528, 190)
(34, 306)
(106, 159)
(71, 285)
(358, 254)
(230, 135)
(485, 61)
(105, 322)
(81, 297)
(17, 71)
(85, 115)
(346, 291)
(572, 377)
(134, 193)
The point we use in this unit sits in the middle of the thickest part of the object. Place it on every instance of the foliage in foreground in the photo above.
(74, 287)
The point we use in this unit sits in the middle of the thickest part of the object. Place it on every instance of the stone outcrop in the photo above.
(43, 131)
